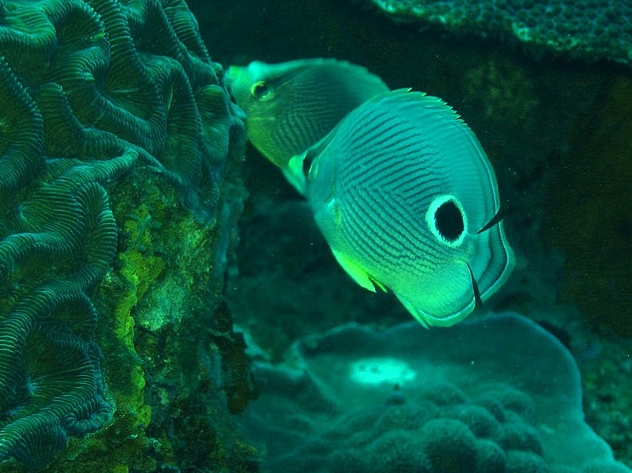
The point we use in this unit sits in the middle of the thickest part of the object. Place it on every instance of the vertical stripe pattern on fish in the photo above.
(403, 192)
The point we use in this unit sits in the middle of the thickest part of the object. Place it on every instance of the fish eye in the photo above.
(446, 220)
(261, 90)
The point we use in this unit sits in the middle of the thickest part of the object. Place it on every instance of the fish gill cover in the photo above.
(92, 91)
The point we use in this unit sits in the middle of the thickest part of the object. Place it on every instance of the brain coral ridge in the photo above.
(89, 90)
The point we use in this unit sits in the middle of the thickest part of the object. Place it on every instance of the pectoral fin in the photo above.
(357, 273)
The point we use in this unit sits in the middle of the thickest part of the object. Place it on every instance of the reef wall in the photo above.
(119, 195)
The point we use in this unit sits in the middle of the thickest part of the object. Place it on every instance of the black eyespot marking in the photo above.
(449, 221)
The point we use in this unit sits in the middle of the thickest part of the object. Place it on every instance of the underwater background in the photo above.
(156, 270)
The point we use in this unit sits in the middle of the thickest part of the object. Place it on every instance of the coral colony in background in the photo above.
(588, 30)
(414, 400)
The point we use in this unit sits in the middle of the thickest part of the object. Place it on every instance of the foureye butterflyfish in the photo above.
(407, 200)
(292, 105)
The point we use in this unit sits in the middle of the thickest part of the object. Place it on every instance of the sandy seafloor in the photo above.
(284, 284)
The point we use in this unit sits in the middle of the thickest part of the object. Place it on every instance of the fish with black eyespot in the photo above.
(408, 201)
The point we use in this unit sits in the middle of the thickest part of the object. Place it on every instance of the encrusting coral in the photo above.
(591, 30)
(494, 394)
(90, 91)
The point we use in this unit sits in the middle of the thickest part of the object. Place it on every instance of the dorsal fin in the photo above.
(502, 212)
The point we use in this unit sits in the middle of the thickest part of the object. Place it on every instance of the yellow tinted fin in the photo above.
(379, 284)
(294, 173)
(357, 274)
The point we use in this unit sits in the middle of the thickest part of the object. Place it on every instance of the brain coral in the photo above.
(493, 395)
(89, 91)
(586, 29)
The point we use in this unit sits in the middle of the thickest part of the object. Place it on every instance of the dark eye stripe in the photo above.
(307, 162)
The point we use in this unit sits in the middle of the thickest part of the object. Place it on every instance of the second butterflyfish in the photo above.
(408, 201)
(292, 105)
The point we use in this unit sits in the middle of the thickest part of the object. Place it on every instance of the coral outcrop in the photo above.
(112, 112)
(496, 394)
(588, 30)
